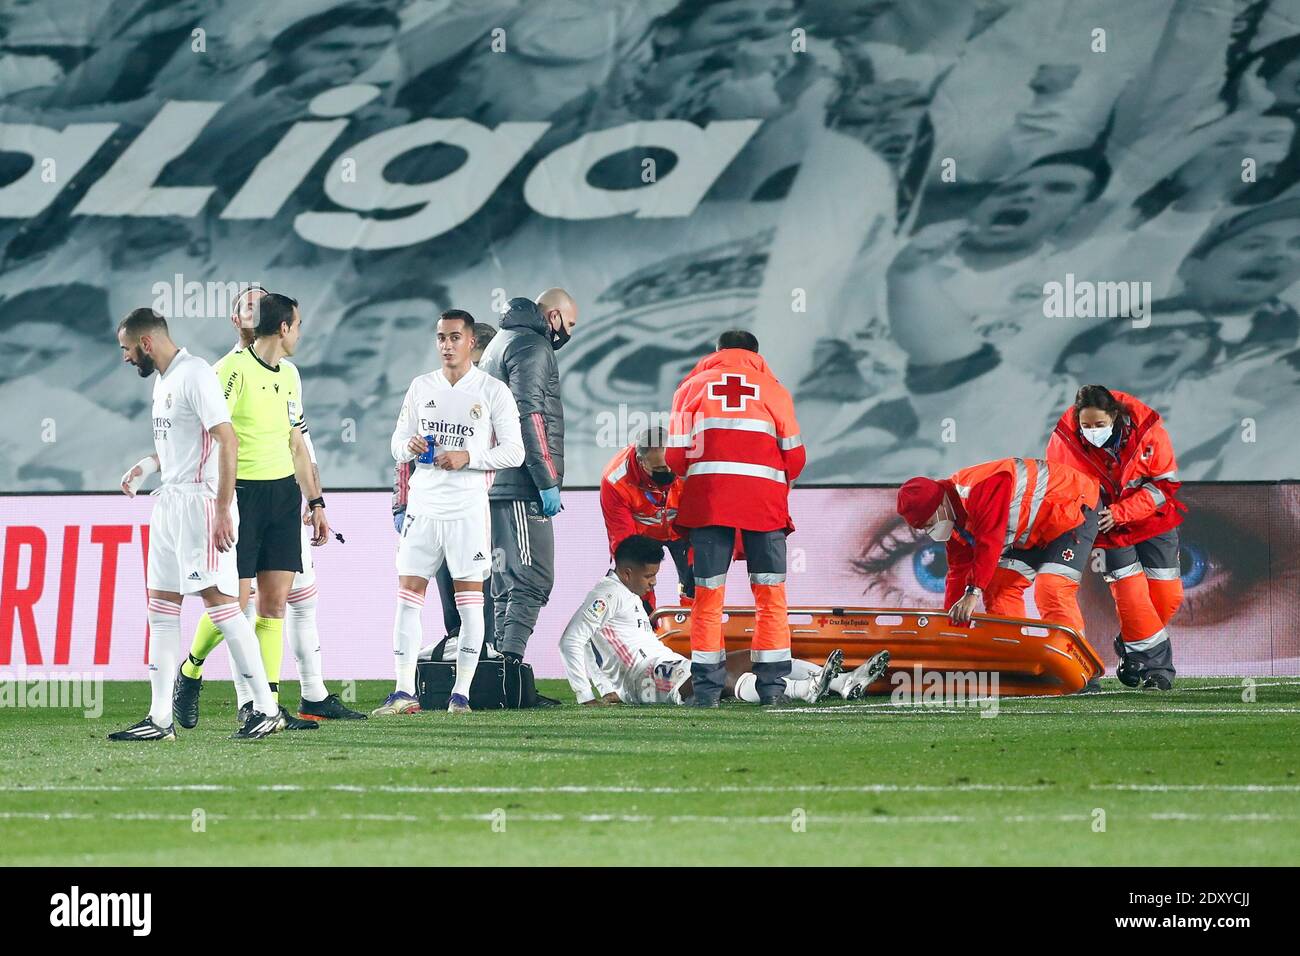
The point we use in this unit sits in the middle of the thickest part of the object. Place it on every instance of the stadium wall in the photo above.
(72, 597)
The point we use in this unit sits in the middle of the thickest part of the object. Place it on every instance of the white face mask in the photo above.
(941, 530)
(1097, 436)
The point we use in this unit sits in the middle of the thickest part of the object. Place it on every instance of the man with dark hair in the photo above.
(483, 335)
(639, 495)
(264, 395)
(194, 524)
(526, 498)
(966, 294)
(316, 703)
(735, 441)
(456, 424)
(609, 642)
(737, 339)
(612, 631)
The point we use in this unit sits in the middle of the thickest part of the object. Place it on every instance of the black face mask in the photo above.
(559, 338)
(664, 477)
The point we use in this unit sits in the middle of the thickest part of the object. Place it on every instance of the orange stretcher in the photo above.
(1029, 657)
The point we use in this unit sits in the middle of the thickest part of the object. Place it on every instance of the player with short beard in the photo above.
(194, 525)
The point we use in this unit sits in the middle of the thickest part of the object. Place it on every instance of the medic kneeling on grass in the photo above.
(1008, 524)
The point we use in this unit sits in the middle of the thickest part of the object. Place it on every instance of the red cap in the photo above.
(918, 500)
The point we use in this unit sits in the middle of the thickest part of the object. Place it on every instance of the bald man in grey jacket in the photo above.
(523, 500)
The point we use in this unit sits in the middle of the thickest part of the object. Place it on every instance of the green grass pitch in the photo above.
(1194, 776)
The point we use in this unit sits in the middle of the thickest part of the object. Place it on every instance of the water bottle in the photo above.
(427, 457)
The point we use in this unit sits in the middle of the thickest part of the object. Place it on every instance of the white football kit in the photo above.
(187, 404)
(612, 629)
(447, 511)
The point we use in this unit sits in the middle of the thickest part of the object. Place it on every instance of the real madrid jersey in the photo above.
(620, 618)
(187, 404)
(477, 415)
(265, 404)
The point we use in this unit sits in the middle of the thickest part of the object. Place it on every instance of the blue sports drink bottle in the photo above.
(427, 457)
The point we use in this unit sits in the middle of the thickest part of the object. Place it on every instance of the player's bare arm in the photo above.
(223, 524)
(306, 511)
(310, 485)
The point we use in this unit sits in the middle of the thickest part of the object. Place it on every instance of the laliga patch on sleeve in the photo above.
(598, 608)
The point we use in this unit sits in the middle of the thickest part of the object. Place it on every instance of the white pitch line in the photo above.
(484, 790)
(1003, 701)
(1002, 710)
(876, 788)
(1200, 787)
(774, 819)
(1244, 710)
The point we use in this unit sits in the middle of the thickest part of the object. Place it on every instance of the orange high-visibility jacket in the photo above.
(1039, 510)
(734, 438)
(1006, 504)
(632, 503)
(1140, 485)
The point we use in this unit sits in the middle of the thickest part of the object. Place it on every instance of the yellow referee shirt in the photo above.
(265, 403)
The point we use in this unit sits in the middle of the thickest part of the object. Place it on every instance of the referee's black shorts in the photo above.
(270, 526)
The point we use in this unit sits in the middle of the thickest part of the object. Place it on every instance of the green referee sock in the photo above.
(206, 639)
(270, 637)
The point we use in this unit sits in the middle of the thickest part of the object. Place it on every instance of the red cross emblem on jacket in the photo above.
(733, 391)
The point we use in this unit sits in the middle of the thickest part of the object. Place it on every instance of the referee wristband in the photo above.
(316, 503)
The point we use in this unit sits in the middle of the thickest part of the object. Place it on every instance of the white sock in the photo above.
(304, 642)
(839, 685)
(799, 689)
(164, 657)
(245, 655)
(407, 637)
(470, 606)
(747, 688)
(243, 689)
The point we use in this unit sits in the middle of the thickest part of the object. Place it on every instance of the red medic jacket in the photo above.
(632, 503)
(1008, 504)
(1140, 486)
(734, 439)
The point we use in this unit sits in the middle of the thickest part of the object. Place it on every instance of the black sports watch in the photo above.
(315, 503)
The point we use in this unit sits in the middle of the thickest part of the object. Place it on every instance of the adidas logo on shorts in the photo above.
(194, 575)
(479, 556)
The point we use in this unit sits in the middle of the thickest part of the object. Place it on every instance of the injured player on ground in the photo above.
(609, 643)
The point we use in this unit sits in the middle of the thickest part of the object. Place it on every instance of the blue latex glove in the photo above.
(398, 518)
(550, 501)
